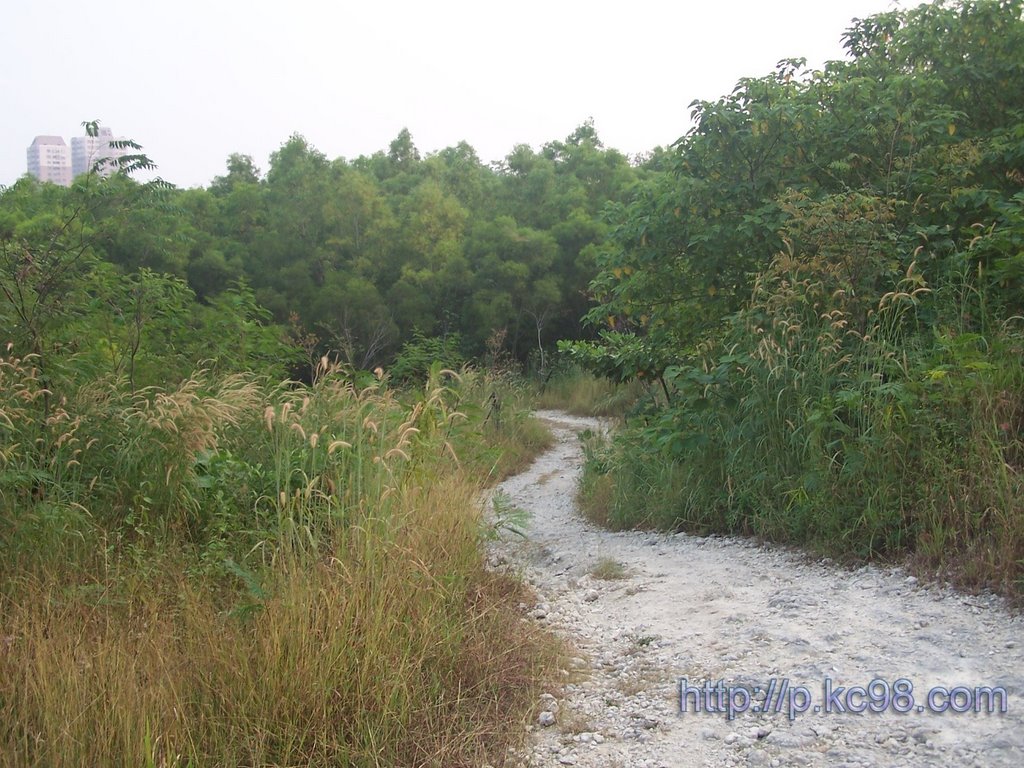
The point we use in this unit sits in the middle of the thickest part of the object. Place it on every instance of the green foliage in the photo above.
(249, 567)
(356, 255)
(619, 356)
(827, 280)
(506, 517)
(422, 355)
(364, 253)
(577, 390)
(237, 334)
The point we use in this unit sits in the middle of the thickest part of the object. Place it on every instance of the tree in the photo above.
(241, 170)
(50, 240)
(402, 152)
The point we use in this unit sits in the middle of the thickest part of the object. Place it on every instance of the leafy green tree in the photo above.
(824, 274)
(354, 319)
(402, 152)
(50, 241)
(241, 171)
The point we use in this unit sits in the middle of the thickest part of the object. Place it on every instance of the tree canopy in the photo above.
(824, 275)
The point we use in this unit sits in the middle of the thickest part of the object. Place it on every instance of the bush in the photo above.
(421, 353)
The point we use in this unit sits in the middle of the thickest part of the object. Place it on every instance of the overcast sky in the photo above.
(195, 81)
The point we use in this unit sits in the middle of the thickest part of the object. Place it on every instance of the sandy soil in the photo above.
(706, 610)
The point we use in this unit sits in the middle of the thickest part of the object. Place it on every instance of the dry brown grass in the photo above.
(361, 628)
(398, 650)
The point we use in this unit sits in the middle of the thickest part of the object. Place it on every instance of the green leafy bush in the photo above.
(828, 286)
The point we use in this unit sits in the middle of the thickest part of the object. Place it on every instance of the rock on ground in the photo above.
(704, 610)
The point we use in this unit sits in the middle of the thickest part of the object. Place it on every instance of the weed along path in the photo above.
(671, 631)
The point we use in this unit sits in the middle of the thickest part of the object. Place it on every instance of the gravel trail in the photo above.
(715, 609)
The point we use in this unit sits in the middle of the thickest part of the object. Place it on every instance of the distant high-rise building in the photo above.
(88, 152)
(49, 159)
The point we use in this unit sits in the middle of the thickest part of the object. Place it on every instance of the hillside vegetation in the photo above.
(235, 572)
(244, 429)
(826, 286)
(204, 562)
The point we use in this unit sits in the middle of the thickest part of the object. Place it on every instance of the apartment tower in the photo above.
(88, 151)
(49, 159)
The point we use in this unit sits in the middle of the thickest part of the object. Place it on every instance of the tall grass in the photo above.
(395, 649)
(238, 573)
(873, 419)
(583, 394)
(509, 437)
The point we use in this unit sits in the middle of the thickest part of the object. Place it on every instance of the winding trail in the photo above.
(710, 609)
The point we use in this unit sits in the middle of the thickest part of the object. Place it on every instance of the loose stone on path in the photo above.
(704, 610)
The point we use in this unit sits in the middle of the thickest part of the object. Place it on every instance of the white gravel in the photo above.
(721, 609)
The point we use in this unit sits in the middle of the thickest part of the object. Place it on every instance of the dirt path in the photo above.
(706, 610)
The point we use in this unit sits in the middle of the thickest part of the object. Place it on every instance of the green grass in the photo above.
(583, 394)
(609, 569)
(237, 573)
(862, 443)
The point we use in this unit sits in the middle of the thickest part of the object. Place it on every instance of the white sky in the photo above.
(195, 81)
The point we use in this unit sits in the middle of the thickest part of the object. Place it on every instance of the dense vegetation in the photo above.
(203, 562)
(826, 285)
(233, 572)
(224, 541)
(354, 258)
